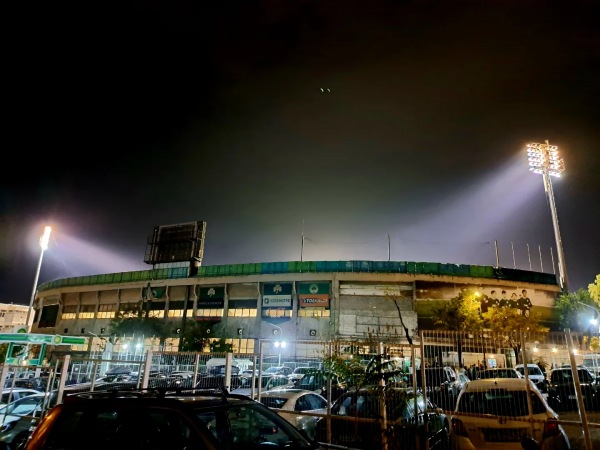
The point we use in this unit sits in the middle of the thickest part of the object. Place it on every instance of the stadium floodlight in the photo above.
(545, 160)
(44, 246)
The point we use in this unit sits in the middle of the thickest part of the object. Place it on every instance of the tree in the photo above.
(594, 290)
(461, 313)
(195, 336)
(511, 323)
(134, 321)
(220, 346)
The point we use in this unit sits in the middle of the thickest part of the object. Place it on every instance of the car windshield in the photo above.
(499, 373)
(499, 402)
(239, 426)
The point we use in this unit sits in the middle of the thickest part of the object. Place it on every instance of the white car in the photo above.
(535, 374)
(299, 372)
(494, 414)
(10, 395)
(498, 372)
(283, 401)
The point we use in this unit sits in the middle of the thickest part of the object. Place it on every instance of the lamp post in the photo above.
(44, 246)
(279, 344)
(544, 160)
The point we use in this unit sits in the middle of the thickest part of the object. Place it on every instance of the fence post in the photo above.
(147, 365)
(64, 373)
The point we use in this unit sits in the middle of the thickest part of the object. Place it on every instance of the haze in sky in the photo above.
(381, 130)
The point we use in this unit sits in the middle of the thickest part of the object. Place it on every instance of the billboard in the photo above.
(177, 243)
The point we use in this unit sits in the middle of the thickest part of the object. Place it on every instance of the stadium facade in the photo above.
(295, 301)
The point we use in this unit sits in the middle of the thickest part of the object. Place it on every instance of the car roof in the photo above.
(286, 392)
(497, 383)
(197, 397)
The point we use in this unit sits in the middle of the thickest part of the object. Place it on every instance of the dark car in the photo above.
(439, 386)
(561, 389)
(404, 428)
(218, 381)
(159, 420)
(318, 381)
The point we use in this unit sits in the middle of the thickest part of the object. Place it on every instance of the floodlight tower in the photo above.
(544, 159)
(44, 246)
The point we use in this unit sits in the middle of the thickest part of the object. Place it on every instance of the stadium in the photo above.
(294, 300)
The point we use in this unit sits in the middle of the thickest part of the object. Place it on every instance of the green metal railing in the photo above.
(407, 267)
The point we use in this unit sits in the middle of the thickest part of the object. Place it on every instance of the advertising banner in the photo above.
(313, 295)
(277, 295)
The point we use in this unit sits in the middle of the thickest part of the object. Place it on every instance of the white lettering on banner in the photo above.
(275, 301)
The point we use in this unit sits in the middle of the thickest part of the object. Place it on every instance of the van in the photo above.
(592, 363)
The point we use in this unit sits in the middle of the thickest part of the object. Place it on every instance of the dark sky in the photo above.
(360, 120)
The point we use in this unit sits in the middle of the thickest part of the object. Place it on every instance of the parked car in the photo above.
(218, 381)
(267, 382)
(318, 381)
(18, 418)
(278, 370)
(439, 385)
(498, 372)
(535, 374)
(10, 395)
(561, 388)
(461, 380)
(153, 420)
(494, 413)
(409, 421)
(299, 372)
(282, 401)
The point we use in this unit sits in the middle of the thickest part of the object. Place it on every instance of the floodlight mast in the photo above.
(544, 160)
(44, 246)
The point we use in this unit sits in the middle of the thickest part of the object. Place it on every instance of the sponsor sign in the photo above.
(313, 295)
(210, 293)
(277, 295)
(314, 302)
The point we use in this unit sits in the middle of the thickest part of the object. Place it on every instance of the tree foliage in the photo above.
(460, 313)
(195, 336)
(512, 325)
(135, 321)
(594, 290)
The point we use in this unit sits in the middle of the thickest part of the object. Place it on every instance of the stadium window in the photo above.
(87, 311)
(156, 309)
(314, 312)
(276, 312)
(242, 308)
(214, 312)
(106, 311)
(69, 312)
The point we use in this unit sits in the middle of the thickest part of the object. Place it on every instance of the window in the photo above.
(313, 312)
(216, 312)
(276, 312)
(106, 311)
(155, 309)
(69, 312)
(242, 308)
(87, 311)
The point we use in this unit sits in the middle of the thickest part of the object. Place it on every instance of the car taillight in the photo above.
(551, 428)
(459, 428)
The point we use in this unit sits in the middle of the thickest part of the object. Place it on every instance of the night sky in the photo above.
(384, 129)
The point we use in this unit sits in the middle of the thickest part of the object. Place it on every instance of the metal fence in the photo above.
(435, 364)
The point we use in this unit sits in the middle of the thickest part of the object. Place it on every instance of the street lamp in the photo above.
(593, 320)
(279, 344)
(44, 246)
(544, 159)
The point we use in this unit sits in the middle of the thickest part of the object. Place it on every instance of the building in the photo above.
(12, 317)
(299, 300)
